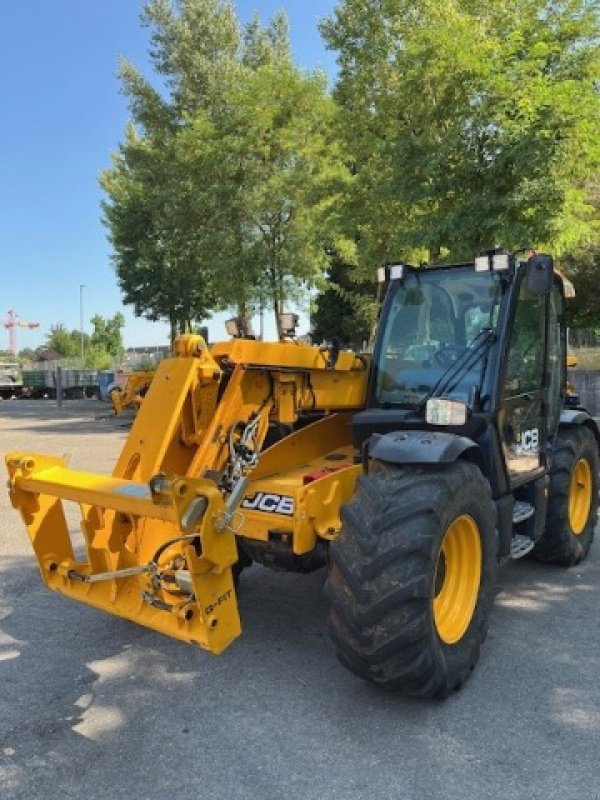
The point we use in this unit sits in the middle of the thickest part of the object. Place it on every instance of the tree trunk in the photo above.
(435, 254)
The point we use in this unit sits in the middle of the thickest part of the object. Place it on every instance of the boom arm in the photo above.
(159, 535)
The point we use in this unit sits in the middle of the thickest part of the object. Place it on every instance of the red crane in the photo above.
(11, 322)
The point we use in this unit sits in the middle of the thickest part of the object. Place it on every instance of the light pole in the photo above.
(82, 286)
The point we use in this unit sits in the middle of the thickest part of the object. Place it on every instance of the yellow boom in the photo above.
(160, 533)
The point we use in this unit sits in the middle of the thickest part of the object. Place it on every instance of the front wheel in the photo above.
(412, 577)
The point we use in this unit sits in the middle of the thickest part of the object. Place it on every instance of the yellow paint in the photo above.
(580, 496)
(140, 518)
(457, 579)
(130, 393)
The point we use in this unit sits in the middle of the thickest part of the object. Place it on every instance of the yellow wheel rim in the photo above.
(457, 579)
(580, 496)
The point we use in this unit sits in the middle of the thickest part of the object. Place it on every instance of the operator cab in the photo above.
(474, 355)
(469, 458)
(436, 320)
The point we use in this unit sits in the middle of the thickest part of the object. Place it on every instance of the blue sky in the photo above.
(61, 116)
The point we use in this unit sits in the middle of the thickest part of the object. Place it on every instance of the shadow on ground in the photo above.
(277, 717)
(74, 418)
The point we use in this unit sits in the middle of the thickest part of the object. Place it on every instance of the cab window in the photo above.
(525, 358)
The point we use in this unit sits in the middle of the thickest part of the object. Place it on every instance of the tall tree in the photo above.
(195, 46)
(151, 223)
(223, 190)
(107, 334)
(470, 123)
(152, 213)
(346, 309)
(286, 172)
(63, 342)
(583, 267)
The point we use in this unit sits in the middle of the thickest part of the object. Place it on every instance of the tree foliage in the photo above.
(345, 311)
(583, 268)
(27, 356)
(107, 335)
(454, 125)
(222, 190)
(150, 218)
(470, 122)
(65, 343)
(279, 139)
(100, 350)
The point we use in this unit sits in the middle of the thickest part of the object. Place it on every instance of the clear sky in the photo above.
(61, 115)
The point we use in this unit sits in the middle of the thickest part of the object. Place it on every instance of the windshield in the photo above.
(438, 323)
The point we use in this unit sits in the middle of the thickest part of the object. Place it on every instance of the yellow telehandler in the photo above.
(132, 393)
(410, 475)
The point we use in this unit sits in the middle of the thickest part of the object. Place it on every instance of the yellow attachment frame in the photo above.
(132, 392)
(159, 534)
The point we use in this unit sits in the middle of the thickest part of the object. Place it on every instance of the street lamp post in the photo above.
(82, 286)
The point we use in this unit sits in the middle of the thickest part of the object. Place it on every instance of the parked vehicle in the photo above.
(410, 476)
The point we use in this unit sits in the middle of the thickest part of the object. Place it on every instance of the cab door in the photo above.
(522, 414)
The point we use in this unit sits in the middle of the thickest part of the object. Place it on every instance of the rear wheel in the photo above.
(573, 500)
(412, 577)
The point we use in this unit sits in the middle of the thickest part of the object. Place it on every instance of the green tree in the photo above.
(145, 364)
(154, 219)
(26, 356)
(469, 123)
(346, 309)
(195, 46)
(65, 343)
(582, 266)
(222, 192)
(286, 172)
(107, 334)
(150, 217)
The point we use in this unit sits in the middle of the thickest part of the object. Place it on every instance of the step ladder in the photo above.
(520, 545)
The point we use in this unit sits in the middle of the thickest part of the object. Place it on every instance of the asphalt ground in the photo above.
(92, 706)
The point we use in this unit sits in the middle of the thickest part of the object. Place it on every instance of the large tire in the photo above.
(409, 537)
(573, 498)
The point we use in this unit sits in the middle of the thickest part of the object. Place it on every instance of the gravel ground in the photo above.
(95, 707)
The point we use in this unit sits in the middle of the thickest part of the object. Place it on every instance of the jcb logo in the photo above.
(530, 441)
(270, 503)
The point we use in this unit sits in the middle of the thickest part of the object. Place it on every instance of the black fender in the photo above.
(423, 447)
(579, 416)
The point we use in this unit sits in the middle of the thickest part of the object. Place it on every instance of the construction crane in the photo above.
(12, 322)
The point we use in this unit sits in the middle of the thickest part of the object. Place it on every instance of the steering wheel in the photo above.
(447, 355)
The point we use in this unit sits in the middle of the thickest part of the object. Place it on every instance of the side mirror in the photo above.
(540, 274)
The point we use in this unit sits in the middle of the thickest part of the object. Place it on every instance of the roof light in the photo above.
(240, 327)
(288, 323)
(232, 327)
(396, 272)
(482, 264)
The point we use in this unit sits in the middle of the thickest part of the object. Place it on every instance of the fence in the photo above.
(584, 337)
(587, 384)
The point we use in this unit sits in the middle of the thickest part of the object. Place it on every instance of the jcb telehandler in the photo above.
(410, 474)
(132, 393)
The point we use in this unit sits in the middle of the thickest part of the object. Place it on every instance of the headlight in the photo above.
(445, 412)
